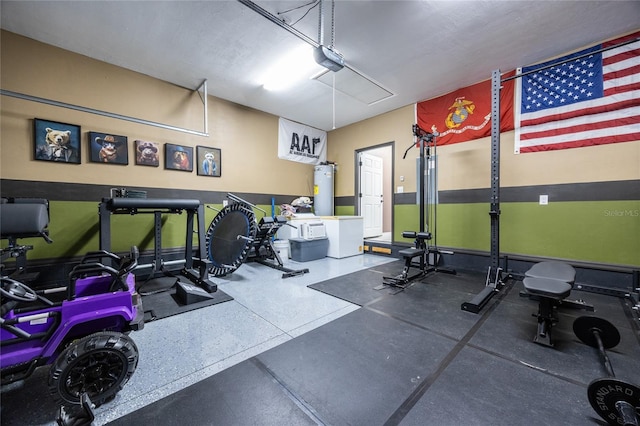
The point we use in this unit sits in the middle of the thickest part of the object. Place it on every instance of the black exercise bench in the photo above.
(195, 267)
(420, 251)
(22, 218)
(550, 283)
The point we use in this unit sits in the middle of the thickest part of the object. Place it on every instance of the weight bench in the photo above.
(420, 251)
(550, 283)
(552, 269)
(22, 218)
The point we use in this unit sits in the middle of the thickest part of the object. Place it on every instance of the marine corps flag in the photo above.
(465, 114)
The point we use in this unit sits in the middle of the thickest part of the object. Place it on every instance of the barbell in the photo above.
(615, 400)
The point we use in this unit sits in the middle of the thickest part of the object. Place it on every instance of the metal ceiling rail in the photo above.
(203, 97)
(251, 5)
(302, 36)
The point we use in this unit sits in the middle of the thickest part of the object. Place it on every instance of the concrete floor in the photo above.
(267, 310)
(282, 353)
(178, 351)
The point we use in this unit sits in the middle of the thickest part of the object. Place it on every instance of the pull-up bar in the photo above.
(494, 281)
(595, 52)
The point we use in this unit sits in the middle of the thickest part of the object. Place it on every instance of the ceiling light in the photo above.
(291, 68)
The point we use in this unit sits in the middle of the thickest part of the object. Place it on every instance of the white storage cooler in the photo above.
(346, 235)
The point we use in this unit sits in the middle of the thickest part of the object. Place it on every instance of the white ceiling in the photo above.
(414, 49)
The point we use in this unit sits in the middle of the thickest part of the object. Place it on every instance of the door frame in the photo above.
(387, 180)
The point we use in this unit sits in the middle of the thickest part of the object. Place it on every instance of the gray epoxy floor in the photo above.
(178, 351)
(413, 358)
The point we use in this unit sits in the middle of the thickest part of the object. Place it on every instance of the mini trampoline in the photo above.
(229, 238)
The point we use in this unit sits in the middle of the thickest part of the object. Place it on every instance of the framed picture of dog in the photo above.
(209, 161)
(178, 157)
(108, 148)
(147, 153)
(54, 141)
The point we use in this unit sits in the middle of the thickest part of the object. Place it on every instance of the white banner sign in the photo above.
(304, 144)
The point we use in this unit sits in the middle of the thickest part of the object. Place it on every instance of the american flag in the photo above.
(589, 98)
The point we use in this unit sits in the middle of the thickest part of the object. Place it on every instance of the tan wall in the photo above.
(248, 138)
(393, 126)
(468, 165)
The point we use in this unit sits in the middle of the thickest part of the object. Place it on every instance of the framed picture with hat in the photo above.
(178, 157)
(147, 153)
(108, 148)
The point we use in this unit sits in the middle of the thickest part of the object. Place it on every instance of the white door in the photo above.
(371, 194)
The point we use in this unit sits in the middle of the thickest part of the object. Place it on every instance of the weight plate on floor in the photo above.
(584, 326)
(604, 393)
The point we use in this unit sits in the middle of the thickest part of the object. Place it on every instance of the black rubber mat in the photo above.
(481, 389)
(359, 368)
(355, 370)
(159, 299)
(241, 395)
(511, 328)
(434, 304)
(359, 287)
(28, 402)
(413, 358)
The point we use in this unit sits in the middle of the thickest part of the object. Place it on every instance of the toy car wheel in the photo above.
(99, 365)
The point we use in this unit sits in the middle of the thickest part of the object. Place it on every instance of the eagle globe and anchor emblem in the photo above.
(459, 113)
(462, 108)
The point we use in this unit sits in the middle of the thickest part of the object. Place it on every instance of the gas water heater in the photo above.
(323, 181)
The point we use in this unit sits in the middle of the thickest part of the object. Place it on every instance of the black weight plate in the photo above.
(584, 326)
(604, 393)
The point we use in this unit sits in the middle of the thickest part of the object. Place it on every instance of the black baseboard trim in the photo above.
(594, 277)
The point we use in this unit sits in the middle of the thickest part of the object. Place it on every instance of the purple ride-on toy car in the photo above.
(81, 330)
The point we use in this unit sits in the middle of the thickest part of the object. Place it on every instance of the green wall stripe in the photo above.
(601, 231)
(344, 210)
(74, 229)
(590, 231)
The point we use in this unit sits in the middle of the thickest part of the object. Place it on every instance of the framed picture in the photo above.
(209, 161)
(147, 153)
(53, 141)
(178, 157)
(108, 148)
